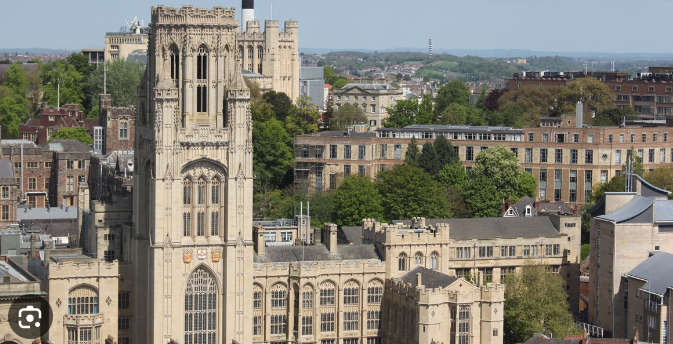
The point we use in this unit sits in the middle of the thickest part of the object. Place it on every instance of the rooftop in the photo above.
(52, 213)
(429, 278)
(16, 274)
(496, 227)
(657, 271)
(67, 146)
(317, 253)
(6, 169)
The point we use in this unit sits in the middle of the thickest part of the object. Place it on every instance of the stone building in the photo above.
(626, 227)
(566, 160)
(647, 299)
(373, 96)
(16, 282)
(273, 54)
(128, 43)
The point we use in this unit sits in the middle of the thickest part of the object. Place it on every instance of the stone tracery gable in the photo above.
(204, 167)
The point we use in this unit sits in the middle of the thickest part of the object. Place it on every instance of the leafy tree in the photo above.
(403, 113)
(483, 198)
(13, 112)
(255, 91)
(411, 157)
(457, 205)
(80, 62)
(453, 92)
(661, 177)
(459, 114)
(453, 175)
(533, 102)
(357, 198)
(303, 118)
(428, 160)
(500, 165)
(262, 111)
(80, 134)
(322, 208)
(16, 80)
(59, 73)
(281, 103)
(445, 152)
(121, 76)
(331, 78)
(535, 302)
(408, 191)
(346, 116)
(611, 116)
(491, 102)
(616, 184)
(595, 95)
(425, 109)
(272, 152)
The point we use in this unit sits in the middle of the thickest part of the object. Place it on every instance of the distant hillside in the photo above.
(37, 51)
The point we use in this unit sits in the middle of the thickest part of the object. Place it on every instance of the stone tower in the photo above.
(192, 246)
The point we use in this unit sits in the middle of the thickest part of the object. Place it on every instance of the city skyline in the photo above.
(378, 25)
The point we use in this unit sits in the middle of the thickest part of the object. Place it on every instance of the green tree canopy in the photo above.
(408, 191)
(459, 114)
(16, 80)
(346, 116)
(411, 156)
(428, 159)
(501, 166)
(453, 92)
(406, 112)
(357, 198)
(535, 302)
(121, 75)
(80, 134)
(483, 197)
(272, 152)
(661, 177)
(532, 102)
(60, 73)
(13, 112)
(303, 118)
(595, 95)
(281, 103)
(453, 175)
(337, 81)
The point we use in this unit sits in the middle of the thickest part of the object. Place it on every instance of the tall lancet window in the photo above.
(201, 308)
(202, 79)
(260, 57)
(175, 64)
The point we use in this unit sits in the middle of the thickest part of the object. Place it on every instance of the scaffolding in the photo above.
(311, 170)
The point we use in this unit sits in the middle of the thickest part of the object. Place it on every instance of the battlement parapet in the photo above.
(190, 14)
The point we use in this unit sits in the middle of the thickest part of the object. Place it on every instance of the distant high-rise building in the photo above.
(430, 47)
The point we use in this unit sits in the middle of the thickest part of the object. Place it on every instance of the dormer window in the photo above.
(510, 211)
(529, 211)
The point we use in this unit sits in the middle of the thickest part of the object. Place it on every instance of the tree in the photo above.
(408, 191)
(13, 112)
(595, 95)
(281, 103)
(357, 198)
(80, 62)
(322, 208)
(403, 113)
(425, 109)
(121, 75)
(16, 80)
(428, 160)
(611, 116)
(262, 111)
(337, 81)
(453, 92)
(661, 177)
(346, 116)
(60, 75)
(483, 198)
(535, 302)
(453, 175)
(411, 157)
(459, 114)
(80, 134)
(303, 118)
(500, 165)
(533, 102)
(272, 152)
(445, 152)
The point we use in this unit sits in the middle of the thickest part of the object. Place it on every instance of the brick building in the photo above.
(567, 161)
(51, 119)
(70, 168)
(8, 194)
(118, 125)
(649, 93)
(32, 169)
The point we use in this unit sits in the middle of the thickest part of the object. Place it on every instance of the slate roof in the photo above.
(633, 208)
(317, 253)
(492, 227)
(18, 142)
(657, 271)
(6, 169)
(368, 87)
(520, 206)
(545, 340)
(68, 146)
(555, 207)
(353, 234)
(343, 133)
(52, 213)
(429, 278)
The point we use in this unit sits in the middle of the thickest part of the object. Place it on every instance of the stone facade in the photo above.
(193, 182)
(9, 194)
(16, 282)
(272, 53)
(578, 158)
(373, 96)
(626, 227)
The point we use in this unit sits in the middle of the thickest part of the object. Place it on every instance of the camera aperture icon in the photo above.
(30, 316)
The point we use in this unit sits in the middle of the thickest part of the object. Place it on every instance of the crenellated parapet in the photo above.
(192, 15)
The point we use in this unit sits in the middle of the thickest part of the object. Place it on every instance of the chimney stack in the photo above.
(330, 237)
(247, 13)
(258, 239)
(579, 115)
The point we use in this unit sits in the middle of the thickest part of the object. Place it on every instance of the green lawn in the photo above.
(585, 251)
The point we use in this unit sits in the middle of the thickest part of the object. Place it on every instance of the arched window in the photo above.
(175, 64)
(200, 308)
(278, 296)
(260, 52)
(351, 293)
(202, 63)
(250, 52)
(187, 192)
(187, 202)
(374, 292)
(83, 300)
(402, 262)
(433, 261)
(201, 191)
(307, 297)
(418, 258)
(327, 294)
(257, 299)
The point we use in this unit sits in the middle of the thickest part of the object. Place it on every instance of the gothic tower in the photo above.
(192, 241)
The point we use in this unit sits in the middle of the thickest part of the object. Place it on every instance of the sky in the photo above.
(613, 26)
